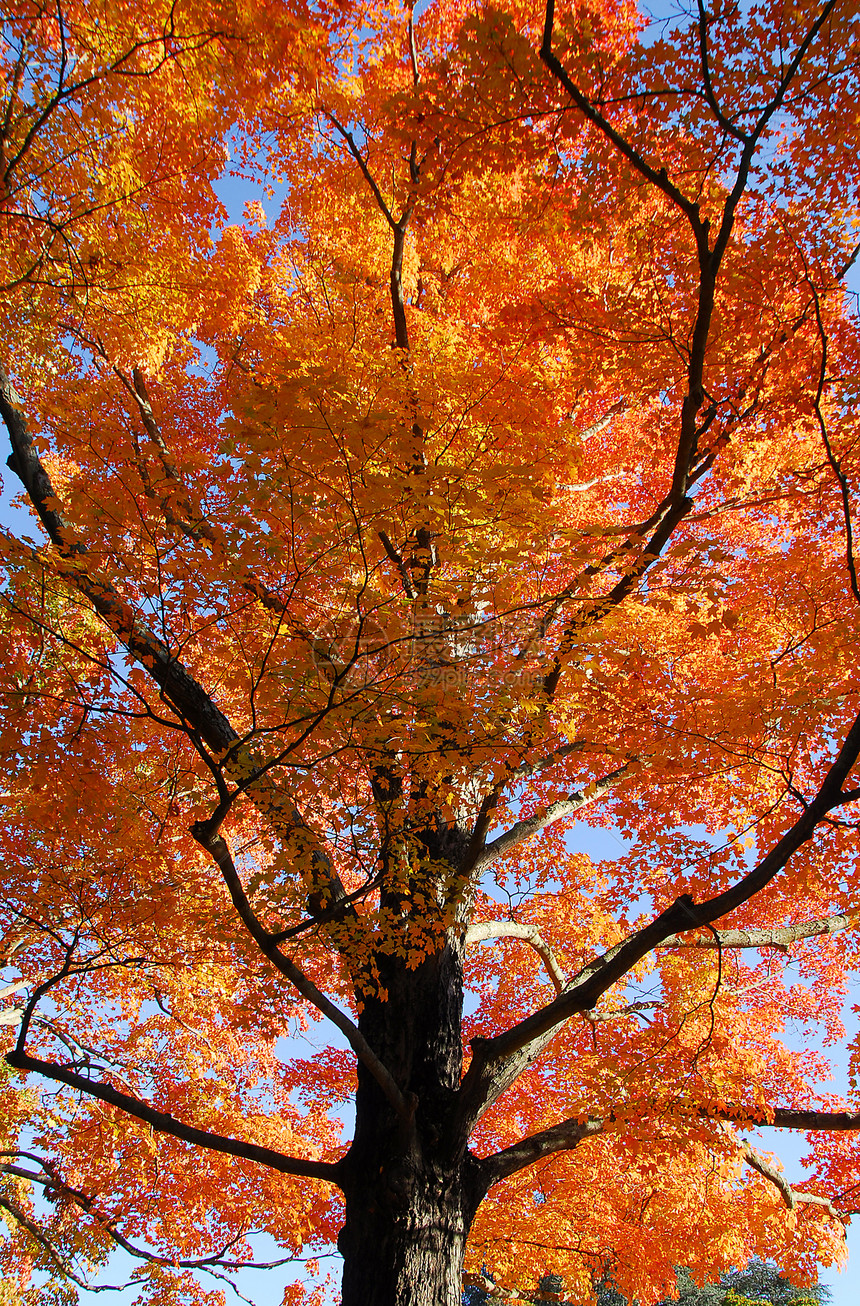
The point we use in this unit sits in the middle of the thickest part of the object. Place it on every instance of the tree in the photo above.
(763, 1282)
(496, 483)
(760, 1282)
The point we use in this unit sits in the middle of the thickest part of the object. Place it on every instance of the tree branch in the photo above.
(657, 177)
(402, 570)
(835, 464)
(164, 1123)
(757, 1162)
(180, 689)
(220, 854)
(497, 1062)
(779, 937)
(558, 1138)
(568, 1134)
(58, 1187)
(356, 153)
(513, 930)
(789, 1195)
(532, 825)
(59, 1262)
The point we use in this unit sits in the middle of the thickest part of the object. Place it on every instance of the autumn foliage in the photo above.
(429, 710)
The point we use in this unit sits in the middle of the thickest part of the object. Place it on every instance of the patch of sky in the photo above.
(15, 516)
(254, 181)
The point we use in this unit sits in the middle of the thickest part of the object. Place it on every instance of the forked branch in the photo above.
(218, 850)
(193, 706)
(790, 1196)
(568, 1134)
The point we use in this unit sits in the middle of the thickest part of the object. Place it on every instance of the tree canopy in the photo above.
(491, 482)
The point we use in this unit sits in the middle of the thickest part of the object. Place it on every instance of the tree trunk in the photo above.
(411, 1194)
(404, 1239)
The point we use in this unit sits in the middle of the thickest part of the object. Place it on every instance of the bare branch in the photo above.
(775, 938)
(631, 1009)
(757, 1162)
(513, 930)
(601, 424)
(543, 763)
(790, 1196)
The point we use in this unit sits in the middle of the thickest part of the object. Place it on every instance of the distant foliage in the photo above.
(760, 1284)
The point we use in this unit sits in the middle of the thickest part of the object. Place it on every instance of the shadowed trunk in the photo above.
(410, 1198)
(405, 1236)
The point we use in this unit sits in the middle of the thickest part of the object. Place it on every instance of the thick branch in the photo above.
(180, 689)
(498, 1061)
(164, 1123)
(558, 1138)
(513, 930)
(776, 938)
(492, 1289)
(787, 1118)
(757, 1162)
(657, 177)
(567, 1135)
(542, 763)
(789, 1195)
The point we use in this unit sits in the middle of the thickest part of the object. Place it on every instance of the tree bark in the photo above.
(411, 1194)
(405, 1236)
